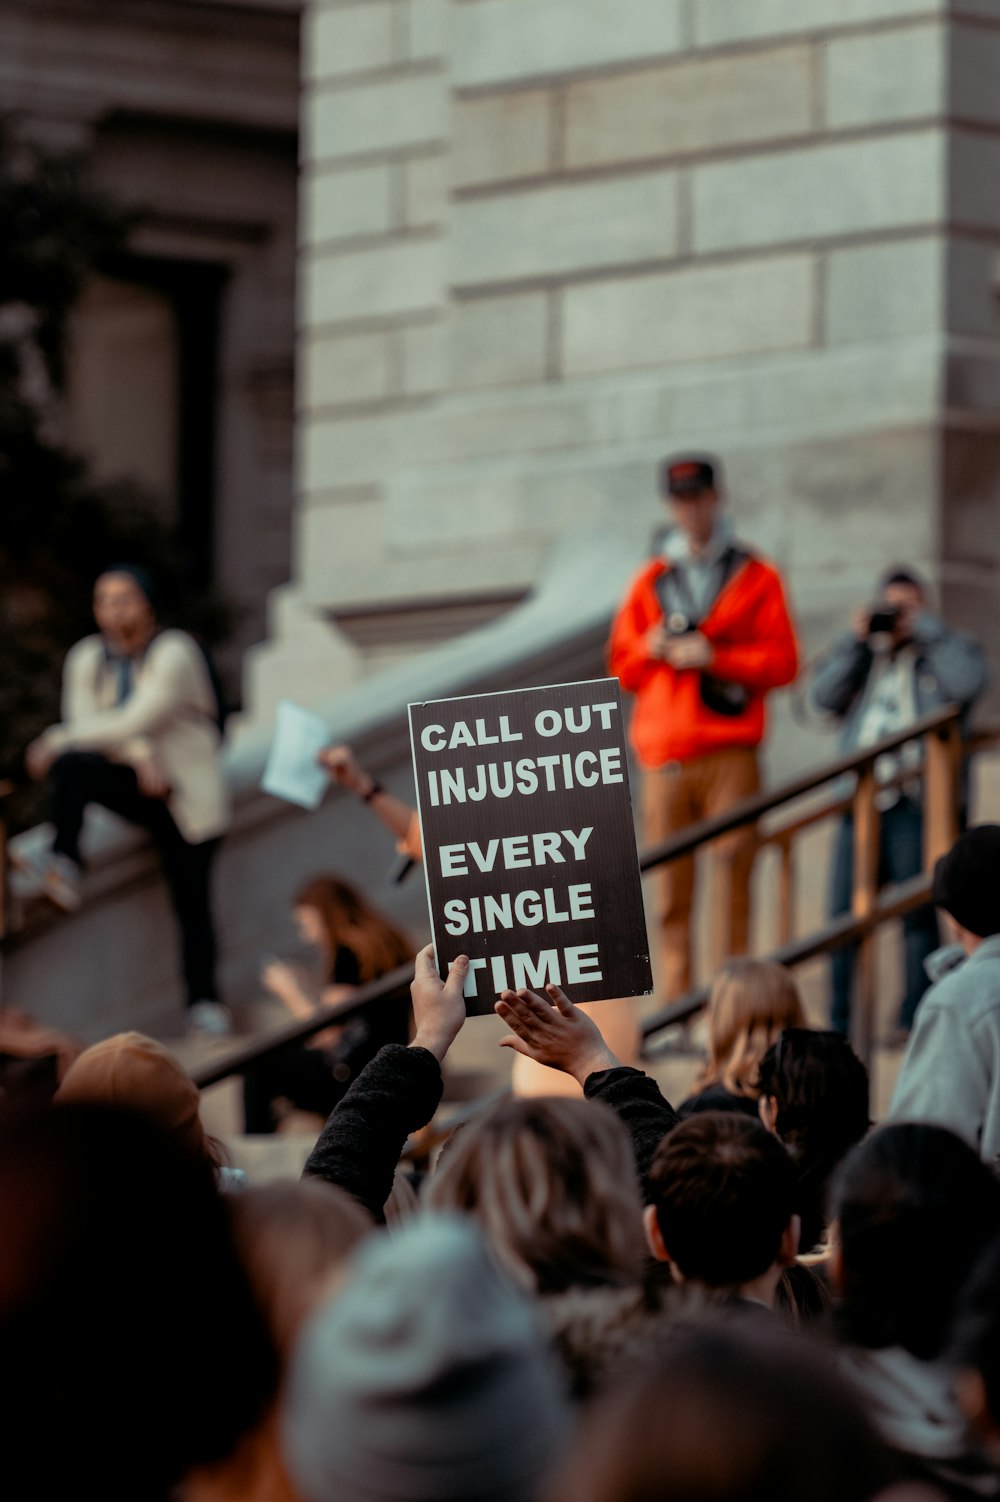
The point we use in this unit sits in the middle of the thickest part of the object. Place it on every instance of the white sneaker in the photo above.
(53, 876)
(210, 1018)
(64, 883)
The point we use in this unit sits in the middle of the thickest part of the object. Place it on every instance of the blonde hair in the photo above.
(751, 1002)
(553, 1183)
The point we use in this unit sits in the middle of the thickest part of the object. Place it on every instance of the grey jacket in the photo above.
(951, 669)
(951, 1071)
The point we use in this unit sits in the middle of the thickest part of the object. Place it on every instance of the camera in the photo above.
(883, 618)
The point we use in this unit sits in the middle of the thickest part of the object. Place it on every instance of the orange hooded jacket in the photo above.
(754, 644)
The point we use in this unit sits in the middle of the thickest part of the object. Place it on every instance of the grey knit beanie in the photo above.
(426, 1380)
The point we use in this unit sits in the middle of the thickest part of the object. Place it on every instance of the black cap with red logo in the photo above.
(689, 475)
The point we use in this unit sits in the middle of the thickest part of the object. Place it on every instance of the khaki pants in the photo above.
(673, 797)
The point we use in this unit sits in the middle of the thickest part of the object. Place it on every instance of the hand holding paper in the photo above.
(292, 771)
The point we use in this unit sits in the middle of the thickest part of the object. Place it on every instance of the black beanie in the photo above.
(139, 576)
(967, 880)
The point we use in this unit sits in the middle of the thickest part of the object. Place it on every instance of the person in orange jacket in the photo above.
(702, 635)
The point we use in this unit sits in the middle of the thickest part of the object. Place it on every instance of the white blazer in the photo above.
(170, 712)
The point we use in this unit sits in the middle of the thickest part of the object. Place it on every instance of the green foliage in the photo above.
(58, 530)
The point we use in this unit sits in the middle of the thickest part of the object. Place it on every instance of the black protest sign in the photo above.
(529, 846)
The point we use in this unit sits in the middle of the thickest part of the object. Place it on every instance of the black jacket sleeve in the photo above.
(641, 1105)
(395, 1094)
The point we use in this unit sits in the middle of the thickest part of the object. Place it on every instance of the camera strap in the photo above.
(673, 590)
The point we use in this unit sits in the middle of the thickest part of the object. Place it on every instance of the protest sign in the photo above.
(528, 840)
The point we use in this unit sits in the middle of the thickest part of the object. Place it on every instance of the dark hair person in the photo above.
(355, 944)
(723, 1204)
(133, 1349)
(728, 1414)
(915, 1208)
(814, 1096)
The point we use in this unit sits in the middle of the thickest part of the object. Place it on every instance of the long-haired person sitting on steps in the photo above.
(751, 1003)
(355, 944)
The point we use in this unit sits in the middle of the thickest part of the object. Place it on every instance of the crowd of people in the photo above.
(592, 1293)
(758, 1294)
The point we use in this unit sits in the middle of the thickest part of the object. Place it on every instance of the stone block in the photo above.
(425, 191)
(554, 230)
(500, 40)
(721, 21)
(346, 202)
(894, 75)
(882, 291)
(351, 451)
(430, 28)
(879, 486)
(974, 164)
(404, 277)
(973, 287)
(499, 341)
(346, 368)
(501, 136)
(690, 106)
(693, 314)
(886, 182)
(425, 358)
(343, 39)
(391, 115)
(975, 68)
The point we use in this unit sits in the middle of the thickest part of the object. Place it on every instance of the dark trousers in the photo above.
(900, 856)
(304, 1076)
(82, 777)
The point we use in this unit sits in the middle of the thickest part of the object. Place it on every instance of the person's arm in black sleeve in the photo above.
(556, 1033)
(642, 1106)
(395, 1094)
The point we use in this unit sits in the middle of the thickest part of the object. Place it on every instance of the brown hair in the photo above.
(752, 1001)
(292, 1238)
(553, 1183)
(724, 1191)
(728, 1413)
(351, 923)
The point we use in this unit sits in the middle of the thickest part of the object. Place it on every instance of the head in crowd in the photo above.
(967, 884)
(553, 1184)
(915, 1208)
(425, 1378)
(751, 1002)
(294, 1238)
(723, 1204)
(814, 1096)
(331, 914)
(691, 485)
(135, 1073)
(976, 1350)
(125, 606)
(133, 1349)
(728, 1415)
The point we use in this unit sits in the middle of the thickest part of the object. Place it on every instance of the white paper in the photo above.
(291, 772)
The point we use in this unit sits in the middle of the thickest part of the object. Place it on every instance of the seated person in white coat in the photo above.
(141, 735)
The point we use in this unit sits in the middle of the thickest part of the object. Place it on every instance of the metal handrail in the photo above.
(750, 810)
(893, 902)
(237, 1060)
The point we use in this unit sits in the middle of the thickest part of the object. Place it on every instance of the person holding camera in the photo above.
(701, 637)
(896, 664)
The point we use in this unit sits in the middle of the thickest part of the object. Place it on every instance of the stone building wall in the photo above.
(546, 241)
